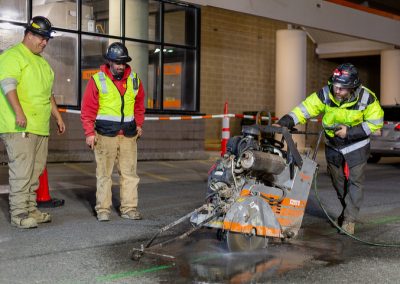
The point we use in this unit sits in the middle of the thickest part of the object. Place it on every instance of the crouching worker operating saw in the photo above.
(112, 117)
(351, 112)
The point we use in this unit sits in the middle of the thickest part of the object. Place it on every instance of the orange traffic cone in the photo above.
(226, 133)
(43, 198)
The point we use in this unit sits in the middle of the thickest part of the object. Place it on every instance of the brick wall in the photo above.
(238, 65)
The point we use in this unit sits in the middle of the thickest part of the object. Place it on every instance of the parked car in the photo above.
(386, 142)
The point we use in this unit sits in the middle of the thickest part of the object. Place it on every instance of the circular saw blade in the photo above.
(245, 242)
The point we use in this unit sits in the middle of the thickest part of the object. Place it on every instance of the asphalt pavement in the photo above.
(76, 248)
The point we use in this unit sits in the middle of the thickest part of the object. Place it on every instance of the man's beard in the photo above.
(118, 74)
(343, 99)
(339, 99)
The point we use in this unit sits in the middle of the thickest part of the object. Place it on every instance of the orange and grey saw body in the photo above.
(258, 190)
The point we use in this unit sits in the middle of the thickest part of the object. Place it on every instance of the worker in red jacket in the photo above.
(112, 116)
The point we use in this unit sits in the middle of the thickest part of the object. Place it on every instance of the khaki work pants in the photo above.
(122, 151)
(27, 159)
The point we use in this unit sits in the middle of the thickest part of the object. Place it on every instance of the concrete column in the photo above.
(390, 77)
(137, 26)
(291, 52)
(114, 19)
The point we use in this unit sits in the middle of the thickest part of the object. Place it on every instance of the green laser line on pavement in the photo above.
(132, 273)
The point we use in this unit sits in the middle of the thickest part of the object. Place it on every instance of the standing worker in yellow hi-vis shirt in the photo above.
(26, 103)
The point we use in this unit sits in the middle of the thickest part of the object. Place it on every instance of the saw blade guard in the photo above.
(252, 215)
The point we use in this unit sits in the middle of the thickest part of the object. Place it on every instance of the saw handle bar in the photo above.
(173, 224)
(292, 149)
(287, 135)
(216, 213)
(137, 253)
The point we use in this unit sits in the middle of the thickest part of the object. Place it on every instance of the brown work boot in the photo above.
(348, 227)
(40, 217)
(103, 217)
(132, 214)
(23, 221)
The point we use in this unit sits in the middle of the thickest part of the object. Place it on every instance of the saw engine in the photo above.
(258, 190)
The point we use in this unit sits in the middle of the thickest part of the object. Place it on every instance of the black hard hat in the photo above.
(41, 26)
(117, 52)
(345, 76)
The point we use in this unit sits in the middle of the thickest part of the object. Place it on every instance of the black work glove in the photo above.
(286, 121)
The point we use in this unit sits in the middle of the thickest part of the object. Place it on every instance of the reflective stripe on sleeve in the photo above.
(375, 121)
(366, 128)
(304, 111)
(293, 115)
(8, 84)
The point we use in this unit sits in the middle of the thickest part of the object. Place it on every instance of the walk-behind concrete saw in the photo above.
(256, 192)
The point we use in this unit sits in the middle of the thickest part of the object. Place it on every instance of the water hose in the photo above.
(341, 229)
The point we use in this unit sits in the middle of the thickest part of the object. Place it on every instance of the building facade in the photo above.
(192, 59)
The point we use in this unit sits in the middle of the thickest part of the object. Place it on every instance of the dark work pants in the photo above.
(350, 195)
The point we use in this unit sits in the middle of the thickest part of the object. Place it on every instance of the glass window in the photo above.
(10, 35)
(148, 69)
(179, 25)
(179, 79)
(15, 10)
(155, 42)
(103, 17)
(62, 14)
(142, 19)
(93, 50)
(61, 53)
(146, 63)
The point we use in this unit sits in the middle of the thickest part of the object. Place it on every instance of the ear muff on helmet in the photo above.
(41, 26)
(117, 52)
(345, 76)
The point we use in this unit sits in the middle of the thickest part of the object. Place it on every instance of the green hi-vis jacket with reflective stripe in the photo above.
(362, 115)
(34, 78)
(116, 112)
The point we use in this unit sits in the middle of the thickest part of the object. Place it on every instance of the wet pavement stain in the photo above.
(202, 258)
